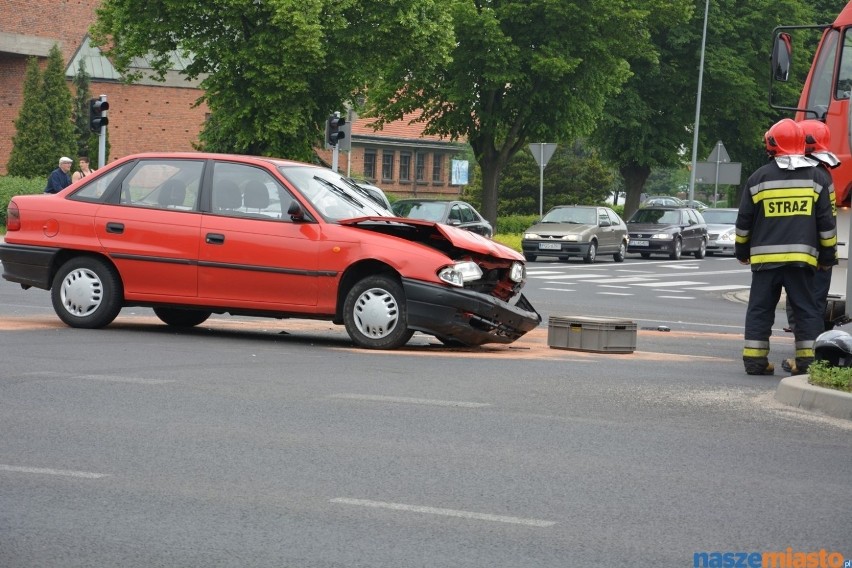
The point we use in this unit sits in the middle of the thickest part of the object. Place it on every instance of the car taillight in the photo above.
(13, 217)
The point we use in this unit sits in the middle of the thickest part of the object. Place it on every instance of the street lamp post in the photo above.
(698, 105)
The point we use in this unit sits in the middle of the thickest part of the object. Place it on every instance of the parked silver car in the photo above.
(577, 230)
(721, 232)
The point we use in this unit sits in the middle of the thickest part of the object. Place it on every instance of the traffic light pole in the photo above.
(102, 141)
(335, 153)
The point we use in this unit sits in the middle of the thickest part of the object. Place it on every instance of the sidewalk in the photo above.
(797, 391)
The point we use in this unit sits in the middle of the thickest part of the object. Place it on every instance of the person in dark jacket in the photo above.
(817, 144)
(786, 231)
(59, 178)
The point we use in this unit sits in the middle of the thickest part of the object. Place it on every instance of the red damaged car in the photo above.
(192, 234)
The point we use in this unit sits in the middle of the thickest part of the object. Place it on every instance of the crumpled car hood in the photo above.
(459, 238)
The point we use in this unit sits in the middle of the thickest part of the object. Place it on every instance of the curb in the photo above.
(796, 391)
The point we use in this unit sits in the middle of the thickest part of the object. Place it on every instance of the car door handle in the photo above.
(117, 228)
(214, 239)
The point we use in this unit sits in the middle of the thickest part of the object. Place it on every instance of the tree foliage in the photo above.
(272, 71)
(651, 124)
(574, 175)
(43, 129)
(521, 71)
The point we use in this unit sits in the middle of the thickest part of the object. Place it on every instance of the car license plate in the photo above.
(636, 243)
(549, 246)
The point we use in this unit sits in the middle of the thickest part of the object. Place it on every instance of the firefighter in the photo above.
(785, 230)
(817, 144)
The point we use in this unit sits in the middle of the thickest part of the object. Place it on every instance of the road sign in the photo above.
(719, 154)
(718, 173)
(542, 152)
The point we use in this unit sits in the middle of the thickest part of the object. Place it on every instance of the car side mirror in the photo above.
(296, 212)
(453, 222)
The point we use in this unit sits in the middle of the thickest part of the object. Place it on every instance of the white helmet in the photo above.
(834, 346)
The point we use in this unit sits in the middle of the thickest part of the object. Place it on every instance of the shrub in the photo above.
(824, 375)
(11, 186)
(515, 224)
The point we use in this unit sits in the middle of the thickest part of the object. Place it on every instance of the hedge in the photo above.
(10, 186)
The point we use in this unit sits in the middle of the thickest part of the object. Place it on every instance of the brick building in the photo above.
(151, 115)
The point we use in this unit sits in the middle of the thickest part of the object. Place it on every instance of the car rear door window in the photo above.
(163, 184)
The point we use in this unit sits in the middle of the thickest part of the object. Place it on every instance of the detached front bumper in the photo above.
(469, 317)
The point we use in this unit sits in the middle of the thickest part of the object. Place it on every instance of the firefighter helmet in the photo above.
(785, 138)
(835, 347)
(817, 136)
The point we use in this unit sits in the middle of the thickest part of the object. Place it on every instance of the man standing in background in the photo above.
(59, 178)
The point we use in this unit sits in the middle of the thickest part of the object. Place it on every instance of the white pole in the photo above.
(698, 105)
(102, 140)
(541, 179)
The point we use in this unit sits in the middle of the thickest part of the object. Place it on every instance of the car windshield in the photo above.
(720, 216)
(571, 215)
(330, 194)
(426, 210)
(656, 216)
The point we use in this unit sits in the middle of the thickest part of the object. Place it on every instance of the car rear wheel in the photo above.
(592, 253)
(702, 250)
(677, 251)
(374, 313)
(619, 256)
(87, 293)
(178, 317)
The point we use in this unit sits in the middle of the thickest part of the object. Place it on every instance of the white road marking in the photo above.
(621, 279)
(104, 378)
(444, 512)
(614, 294)
(677, 283)
(407, 400)
(614, 286)
(716, 288)
(678, 297)
(559, 289)
(47, 471)
(570, 276)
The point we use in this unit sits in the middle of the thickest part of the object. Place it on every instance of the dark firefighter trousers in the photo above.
(766, 285)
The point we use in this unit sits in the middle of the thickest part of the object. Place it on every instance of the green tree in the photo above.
(30, 156)
(574, 175)
(521, 71)
(58, 108)
(652, 121)
(273, 71)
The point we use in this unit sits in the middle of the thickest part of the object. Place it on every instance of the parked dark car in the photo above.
(576, 230)
(667, 230)
(663, 201)
(721, 230)
(449, 212)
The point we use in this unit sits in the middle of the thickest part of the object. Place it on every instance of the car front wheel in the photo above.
(87, 293)
(677, 250)
(374, 313)
(702, 250)
(619, 256)
(178, 317)
(592, 253)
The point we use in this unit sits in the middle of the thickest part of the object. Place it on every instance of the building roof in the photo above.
(100, 68)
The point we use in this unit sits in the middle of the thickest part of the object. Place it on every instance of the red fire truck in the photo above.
(826, 96)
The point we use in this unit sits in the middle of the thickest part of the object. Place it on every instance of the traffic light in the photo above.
(333, 131)
(98, 114)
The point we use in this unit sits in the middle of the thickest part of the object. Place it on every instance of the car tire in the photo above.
(622, 250)
(178, 317)
(592, 253)
(702, 250)
(645, 254)
(375, 314)
(678, 249)
(529, 257)
(87, 293)
(451, 342)
(564, 258)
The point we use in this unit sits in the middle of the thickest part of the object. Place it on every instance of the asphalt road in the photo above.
(266, 443)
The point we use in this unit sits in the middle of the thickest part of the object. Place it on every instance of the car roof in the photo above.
(216, 156)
